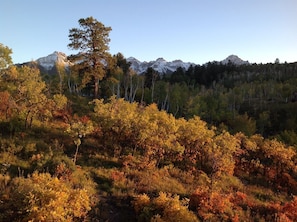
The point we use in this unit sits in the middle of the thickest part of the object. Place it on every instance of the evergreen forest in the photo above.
(96, 141)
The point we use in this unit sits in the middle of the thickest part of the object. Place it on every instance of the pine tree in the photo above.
(91, 40)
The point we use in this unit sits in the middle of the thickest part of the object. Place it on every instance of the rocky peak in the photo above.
(160, 65)
(48, 62)
(235, 60)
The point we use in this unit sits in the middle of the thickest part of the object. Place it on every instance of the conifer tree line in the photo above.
(97, 141)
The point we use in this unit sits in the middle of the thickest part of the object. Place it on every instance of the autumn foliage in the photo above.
(41, 197)
(69, 158)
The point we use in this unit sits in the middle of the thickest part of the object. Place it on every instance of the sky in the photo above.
(195, 31)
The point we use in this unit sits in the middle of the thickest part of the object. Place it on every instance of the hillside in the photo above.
(68, 156)
(97, 141)
(232, 94)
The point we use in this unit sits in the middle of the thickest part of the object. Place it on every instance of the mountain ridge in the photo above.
(49, 62)
(160, 65)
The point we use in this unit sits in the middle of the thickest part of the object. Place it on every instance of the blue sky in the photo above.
(191, 30)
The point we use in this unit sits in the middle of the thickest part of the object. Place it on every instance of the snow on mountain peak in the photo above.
(160, 65)
(48, 62)
(161, 60)
(235, 60)
(132, 59)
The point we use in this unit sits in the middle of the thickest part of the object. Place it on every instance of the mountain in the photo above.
(160, 65)
(48, 63)
(235, 60)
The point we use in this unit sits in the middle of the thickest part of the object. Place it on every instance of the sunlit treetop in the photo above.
(5, 56)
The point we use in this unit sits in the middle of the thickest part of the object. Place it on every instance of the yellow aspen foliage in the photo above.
(41, 197)
(60, 101)
(27, 88)
(173, 208)
(146, 129)
(140, 202)
(117, 115)
(158, 133)
(165, 207)
(5, 56)
(196, 138)
(223, 153)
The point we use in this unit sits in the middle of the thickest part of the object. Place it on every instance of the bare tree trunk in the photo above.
(177, 109)
(75, 155)
(142, 91)
(126, 93)
(119, 90)
(131, 89)
(164, 103)
(69, 83)
(153, 89)
(26, 120)
(96, 89)
(77, 143)
(134, 93)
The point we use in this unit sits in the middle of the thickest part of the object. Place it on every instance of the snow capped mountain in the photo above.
(48, 62)
(136, 65)
(160, 65)
(235, 60)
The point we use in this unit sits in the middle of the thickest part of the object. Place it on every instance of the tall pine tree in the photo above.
(91, 40)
